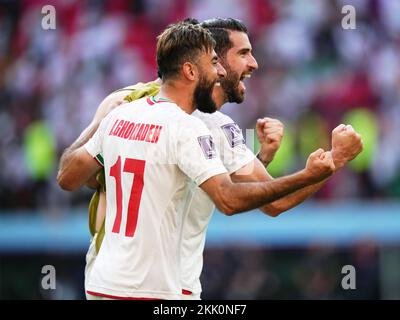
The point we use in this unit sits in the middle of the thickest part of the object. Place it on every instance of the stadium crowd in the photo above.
(313, 74)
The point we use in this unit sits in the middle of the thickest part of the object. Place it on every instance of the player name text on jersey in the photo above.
(136, 131)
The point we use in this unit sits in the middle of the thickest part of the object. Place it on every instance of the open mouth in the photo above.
(241, 83)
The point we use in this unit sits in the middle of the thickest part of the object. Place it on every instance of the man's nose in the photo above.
(221, 70)
(253, 63)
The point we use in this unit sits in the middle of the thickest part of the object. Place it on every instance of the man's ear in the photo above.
(189, 71)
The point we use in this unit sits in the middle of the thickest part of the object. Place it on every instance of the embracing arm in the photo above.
(105, 107)
(76, 167)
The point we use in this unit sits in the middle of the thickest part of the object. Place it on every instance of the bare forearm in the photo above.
(288, 202)
(82, 139)
(68, 164)
(246, 196)
(276, 206)
(265, 159)
(291, 200)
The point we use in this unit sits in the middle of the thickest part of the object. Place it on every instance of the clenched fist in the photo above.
(346, 144)
(320, 165)
(269, 134)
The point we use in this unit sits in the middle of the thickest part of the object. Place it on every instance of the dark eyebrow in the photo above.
(245, 50)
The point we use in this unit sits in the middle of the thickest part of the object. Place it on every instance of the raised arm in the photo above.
(346, 145)
(231, 198)
(269, 134)
(273, 209)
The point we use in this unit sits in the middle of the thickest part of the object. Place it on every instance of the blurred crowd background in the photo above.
(313, 75)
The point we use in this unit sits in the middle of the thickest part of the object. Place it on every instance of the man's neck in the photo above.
(219, 97)
(179, 94)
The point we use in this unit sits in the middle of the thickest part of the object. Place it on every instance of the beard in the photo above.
(203, 96)
(230, 85)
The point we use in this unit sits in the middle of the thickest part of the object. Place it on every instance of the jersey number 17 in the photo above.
(137, 168)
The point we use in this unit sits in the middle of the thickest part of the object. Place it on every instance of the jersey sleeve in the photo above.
(197, 155)
(95, 144)
(231, 144)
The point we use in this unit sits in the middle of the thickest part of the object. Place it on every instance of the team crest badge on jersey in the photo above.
(208, 146)
(234, 134)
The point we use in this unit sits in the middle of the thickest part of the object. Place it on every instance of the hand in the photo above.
(269, 134)
(320, 165)
(346, 145)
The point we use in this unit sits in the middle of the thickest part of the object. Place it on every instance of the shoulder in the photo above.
(189, 125)
(214, 119)
(219, 124)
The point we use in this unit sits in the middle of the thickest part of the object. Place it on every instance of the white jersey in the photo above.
(234, 154)
(148, 148)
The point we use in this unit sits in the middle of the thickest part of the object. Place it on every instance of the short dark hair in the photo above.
(220, 28)
(191, 21)
(179, 43)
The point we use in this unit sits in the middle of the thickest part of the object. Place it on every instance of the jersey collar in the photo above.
(153, 100)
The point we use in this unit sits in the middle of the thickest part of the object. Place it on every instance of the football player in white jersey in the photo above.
(153, 143)
(235, 52)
